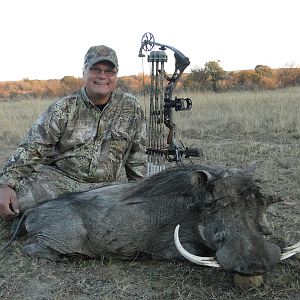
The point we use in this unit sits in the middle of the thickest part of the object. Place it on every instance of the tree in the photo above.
(214, 72)
(263, 70)
(248, 80)
(197, 79)
(71, 84)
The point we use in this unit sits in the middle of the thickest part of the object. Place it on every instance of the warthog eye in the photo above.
(219, 236)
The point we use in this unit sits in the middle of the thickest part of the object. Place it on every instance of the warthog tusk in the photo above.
(290, 251)
(199, 260)
(211, 262)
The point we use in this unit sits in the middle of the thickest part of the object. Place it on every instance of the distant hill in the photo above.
(261, 77)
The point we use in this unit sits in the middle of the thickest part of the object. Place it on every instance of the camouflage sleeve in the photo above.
(136, 162)
(34, 149)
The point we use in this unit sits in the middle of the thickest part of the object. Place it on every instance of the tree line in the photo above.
(213, 77)
(210, 77)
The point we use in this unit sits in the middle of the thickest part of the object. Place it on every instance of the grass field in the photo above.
(232, 129)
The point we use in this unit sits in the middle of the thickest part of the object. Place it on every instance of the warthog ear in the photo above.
(199, 178)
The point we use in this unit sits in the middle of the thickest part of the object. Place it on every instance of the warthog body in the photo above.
(218, 210)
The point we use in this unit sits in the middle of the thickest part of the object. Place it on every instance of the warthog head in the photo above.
(233, 224)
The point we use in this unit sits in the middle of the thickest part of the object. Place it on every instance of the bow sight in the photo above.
(162, 105)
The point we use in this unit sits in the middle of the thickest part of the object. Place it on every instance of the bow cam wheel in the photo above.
(147, 41)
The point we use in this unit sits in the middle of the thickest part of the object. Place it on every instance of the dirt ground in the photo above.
(278, 168)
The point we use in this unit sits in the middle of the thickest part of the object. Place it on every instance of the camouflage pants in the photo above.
(48, 183)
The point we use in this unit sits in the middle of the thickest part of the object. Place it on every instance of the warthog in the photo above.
(219, 211)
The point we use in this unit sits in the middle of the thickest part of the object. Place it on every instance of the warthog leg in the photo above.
(39, 251)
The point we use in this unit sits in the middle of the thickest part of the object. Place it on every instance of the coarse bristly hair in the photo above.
(172, 182)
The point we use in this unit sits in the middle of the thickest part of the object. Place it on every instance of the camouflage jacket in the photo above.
(84, 143)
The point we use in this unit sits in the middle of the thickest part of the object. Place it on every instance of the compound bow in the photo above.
(162, 105)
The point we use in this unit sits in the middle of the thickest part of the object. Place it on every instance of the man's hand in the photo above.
(9, 205)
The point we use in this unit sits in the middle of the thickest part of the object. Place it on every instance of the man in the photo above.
(90, 137)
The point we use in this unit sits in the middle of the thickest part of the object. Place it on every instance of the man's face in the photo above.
(100, 80)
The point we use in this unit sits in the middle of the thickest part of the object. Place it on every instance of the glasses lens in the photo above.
(109, 73)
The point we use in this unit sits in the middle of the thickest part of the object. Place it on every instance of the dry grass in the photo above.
(232, 129)
(16, 117)
(273, 112)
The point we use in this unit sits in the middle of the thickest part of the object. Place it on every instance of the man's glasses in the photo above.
(108, 73)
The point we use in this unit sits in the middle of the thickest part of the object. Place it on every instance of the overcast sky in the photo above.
(47, 39)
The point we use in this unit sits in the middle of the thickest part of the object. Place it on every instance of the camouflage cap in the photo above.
(100, 53)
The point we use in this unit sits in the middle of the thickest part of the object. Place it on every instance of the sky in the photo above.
(47, 39)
